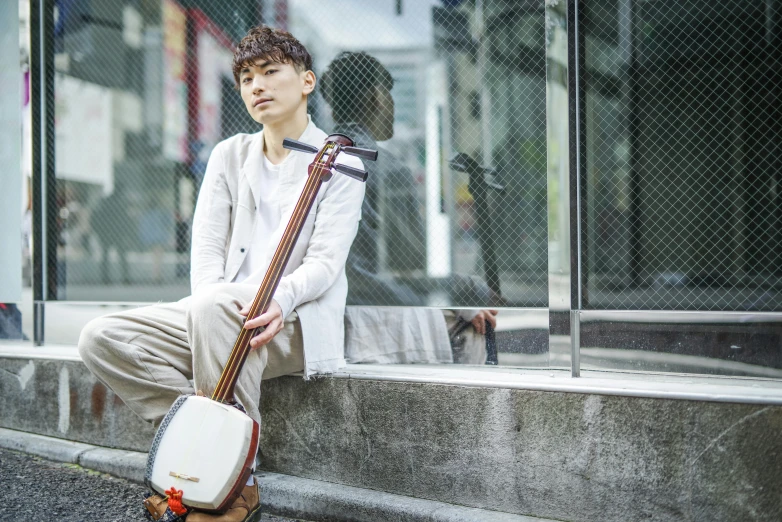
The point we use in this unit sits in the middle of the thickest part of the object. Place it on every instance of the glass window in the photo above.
(682, 155)
(452, 94)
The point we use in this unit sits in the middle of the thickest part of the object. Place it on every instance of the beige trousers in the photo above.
(149, 355)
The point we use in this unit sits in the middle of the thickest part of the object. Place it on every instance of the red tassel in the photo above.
(175, 501)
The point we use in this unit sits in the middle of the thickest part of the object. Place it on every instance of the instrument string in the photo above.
(239, 354)
(263, 298)
(259, 301)
(262, 302)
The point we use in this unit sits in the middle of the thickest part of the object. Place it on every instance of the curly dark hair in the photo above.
(348, 81)
(276, 45)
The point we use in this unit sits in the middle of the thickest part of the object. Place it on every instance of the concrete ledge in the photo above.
(765, 389)
(282, 495)
(555, 455)
(657, 385)
(60, 398)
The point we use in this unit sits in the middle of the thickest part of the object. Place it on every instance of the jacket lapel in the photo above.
(247, 196)
(249, 177)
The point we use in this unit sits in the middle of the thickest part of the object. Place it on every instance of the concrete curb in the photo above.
(282, 495)
(47, 447)
(320, 501)
(129, 465)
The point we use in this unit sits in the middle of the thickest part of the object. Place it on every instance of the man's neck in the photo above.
(273, 134)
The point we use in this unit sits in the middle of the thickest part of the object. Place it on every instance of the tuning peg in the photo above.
(298, 146)
(358, 174)
(463, 162)
(367, 154)
(494, 185)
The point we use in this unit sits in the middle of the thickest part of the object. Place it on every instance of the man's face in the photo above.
(273, 92)
(384, 114)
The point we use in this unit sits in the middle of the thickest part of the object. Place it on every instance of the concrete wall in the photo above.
(62, 399)
(554, 455)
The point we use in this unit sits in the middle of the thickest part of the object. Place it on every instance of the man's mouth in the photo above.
(261, 101)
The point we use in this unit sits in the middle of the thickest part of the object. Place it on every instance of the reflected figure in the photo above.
(358, 89)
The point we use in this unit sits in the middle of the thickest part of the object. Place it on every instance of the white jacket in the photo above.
(314, 282)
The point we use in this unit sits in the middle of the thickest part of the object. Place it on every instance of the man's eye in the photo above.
(245, 80)
(271, 71)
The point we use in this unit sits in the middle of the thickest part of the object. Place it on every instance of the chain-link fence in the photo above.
(683, 154)
(682, 205)
(455, 213)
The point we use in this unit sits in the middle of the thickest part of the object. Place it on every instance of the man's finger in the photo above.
(260, 339)
(479, 324)
(268, 316)
(258, 322)
(492, 320)
(262, 320)
(267, 335)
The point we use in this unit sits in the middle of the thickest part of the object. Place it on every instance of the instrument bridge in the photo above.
(183, 476)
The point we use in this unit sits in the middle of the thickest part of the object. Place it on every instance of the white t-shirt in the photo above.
(266, 222)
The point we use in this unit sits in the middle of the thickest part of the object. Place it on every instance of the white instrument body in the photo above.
(212, 479)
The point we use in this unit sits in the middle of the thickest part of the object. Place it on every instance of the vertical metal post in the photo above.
(43, 176)
(577, 135)
(563, 113)
(575, 343)
(38, 190)
(630, 98)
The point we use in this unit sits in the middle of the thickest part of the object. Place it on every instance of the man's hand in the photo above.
(479, 321)
(272, 319)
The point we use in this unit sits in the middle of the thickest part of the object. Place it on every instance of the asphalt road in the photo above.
(38, 490)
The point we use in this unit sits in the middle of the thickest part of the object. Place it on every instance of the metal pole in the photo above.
(43, 175)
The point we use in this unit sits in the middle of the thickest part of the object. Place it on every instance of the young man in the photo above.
(148, 355)
(358, 89)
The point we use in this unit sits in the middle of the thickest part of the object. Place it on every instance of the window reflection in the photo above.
(462, 82)
(437, 232)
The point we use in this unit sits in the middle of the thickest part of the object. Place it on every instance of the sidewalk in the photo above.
(121, 473)
(39, 489)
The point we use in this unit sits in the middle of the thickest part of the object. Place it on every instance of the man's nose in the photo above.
(258, 84)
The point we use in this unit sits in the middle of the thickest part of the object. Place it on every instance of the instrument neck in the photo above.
(224, 391)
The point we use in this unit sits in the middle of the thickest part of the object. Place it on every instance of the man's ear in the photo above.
(373, 100)
(309, 82)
